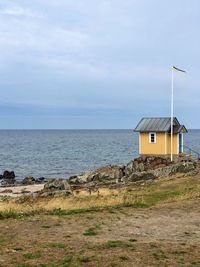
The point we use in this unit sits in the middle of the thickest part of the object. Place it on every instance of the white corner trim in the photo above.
(177, 143)
(165, 143)
(182, 143)
(140, 143)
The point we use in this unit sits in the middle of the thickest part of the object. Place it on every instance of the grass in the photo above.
(10, 214)
(2, 242)
(60, 212)
(56, 245)
(90, 232)
(110, 200)
(159, 255)
(86, 259)
(46, 226)
(124, 258)
(116, 244)
(24, 265)
(66, 262)
(30, 255)
(195, 263)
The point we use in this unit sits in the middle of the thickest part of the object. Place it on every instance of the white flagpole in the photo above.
(172, 113)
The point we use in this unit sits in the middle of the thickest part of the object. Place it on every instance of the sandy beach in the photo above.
(16, 191)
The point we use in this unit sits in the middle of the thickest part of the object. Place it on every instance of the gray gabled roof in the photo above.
(179, 128)
(162, 124)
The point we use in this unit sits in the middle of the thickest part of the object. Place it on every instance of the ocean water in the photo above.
(62, 153)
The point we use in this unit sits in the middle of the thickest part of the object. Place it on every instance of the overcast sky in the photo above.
(97, 63)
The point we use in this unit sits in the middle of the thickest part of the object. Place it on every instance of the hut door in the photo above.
(180, 143)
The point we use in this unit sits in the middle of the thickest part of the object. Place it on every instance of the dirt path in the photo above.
(159, 236)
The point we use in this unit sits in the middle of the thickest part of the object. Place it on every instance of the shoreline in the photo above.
(20, 190)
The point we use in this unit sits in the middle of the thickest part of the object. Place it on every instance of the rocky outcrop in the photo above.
(7, 175)
(57, 184)
(56, 188)
(29, 180)
(140, 169)
(145, 164)
(180, 167)
(140, 176)
(8, 178)
(104, 175)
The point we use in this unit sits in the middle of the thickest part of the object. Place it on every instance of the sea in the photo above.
(63, 153)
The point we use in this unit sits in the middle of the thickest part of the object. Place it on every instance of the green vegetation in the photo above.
(10, 214)
(24, 265)
(90, 232)
(123, 258)
(86, 259)
(46, 226)
(159, 255)
(60, 212)
(195, 263)
(56, 245)
(2, 242)
(66, 262)
(30, 255)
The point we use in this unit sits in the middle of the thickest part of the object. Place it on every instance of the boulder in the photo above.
(79, 179)
(180, 167)
(40, 180)
(7, 175)
(8, 178)
(185, 167)
(56, 185)
(29, 180)
(140, 176)
(101, 175)
(107, 173)
(145, 164)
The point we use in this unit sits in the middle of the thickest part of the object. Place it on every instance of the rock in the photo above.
(29, 180)
(185, 167)
(56, 188)
(180, 167)
(79, 179)
(101, 175)
(8, 178)
(141, 176)
(56, 185)
(8, 175)
(145, 164)
(40, 180)
(107, 173)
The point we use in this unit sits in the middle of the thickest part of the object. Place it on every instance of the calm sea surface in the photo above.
(61, 153)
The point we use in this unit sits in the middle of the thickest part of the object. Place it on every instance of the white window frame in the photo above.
(150, 138)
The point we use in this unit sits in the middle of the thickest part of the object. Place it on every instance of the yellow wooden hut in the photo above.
(155, 136)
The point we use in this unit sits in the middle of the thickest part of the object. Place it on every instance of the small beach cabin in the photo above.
(155, 136)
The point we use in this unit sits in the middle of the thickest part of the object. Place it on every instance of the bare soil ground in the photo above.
(163, 235)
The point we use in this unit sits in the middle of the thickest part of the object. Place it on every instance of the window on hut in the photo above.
(152, 138)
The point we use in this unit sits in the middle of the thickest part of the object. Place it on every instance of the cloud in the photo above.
(92, 53)
(18, 11)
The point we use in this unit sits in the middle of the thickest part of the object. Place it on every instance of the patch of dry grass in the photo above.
(163, 191)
